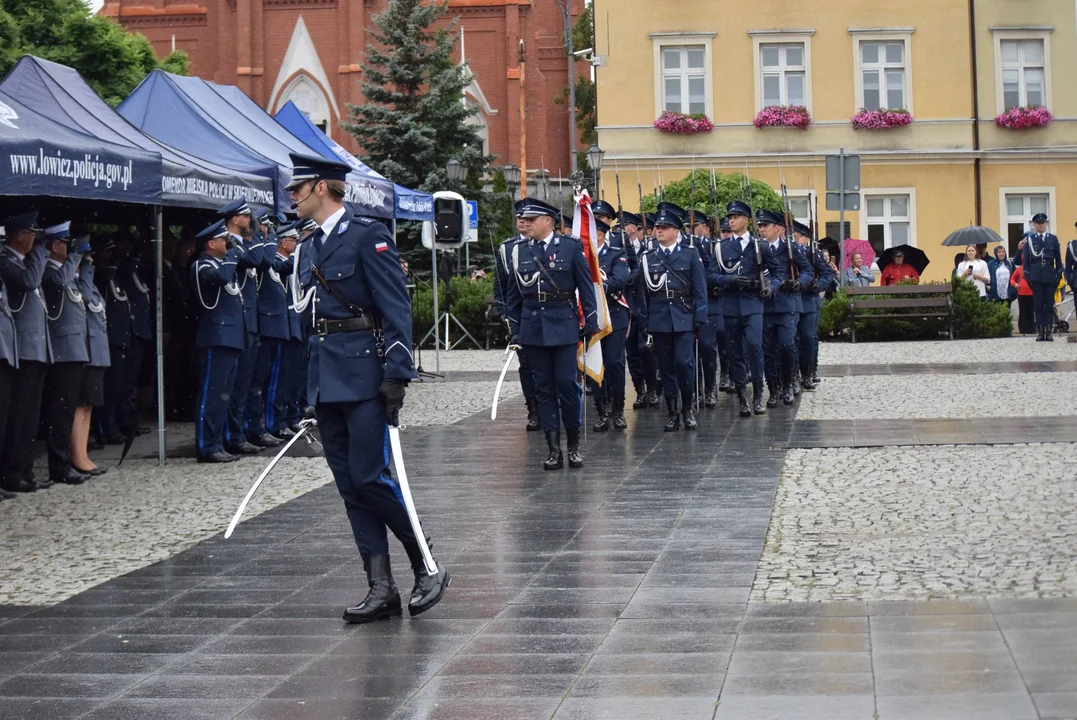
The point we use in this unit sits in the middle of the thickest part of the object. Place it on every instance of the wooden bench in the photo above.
(931, 301)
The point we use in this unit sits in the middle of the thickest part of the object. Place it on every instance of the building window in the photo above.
(1017, 211)
(888, 220)
(1023, 69)
(800, 205)
(784, 77)
(883, 75)
(683, 73)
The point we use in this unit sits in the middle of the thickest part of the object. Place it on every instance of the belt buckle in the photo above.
(322, 327)
(541, 297)
(669, 294)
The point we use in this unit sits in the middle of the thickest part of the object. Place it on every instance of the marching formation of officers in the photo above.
(686, 309)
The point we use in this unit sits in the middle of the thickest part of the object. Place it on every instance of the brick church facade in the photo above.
(311, 52)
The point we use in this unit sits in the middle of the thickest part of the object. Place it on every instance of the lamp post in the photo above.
(595, 154)
(512, 178)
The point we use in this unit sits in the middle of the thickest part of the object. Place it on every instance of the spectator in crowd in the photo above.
(1001, 270)
(1026, 320)
(975, 270)
(898, 271)
(857, 275)
(92, 388)
(832, 287)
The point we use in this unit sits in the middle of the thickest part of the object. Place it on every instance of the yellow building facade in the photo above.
(949, 167)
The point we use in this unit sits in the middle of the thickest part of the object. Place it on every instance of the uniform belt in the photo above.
(714, 293)
(670, 294)
(325, 326)
(543, 297)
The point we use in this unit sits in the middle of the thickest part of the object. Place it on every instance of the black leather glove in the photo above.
(814, 287)
(585, 338)
(392, 395)
(745, 282)
(789, 285)
(766, 292)
(700, 326)
(514, 340)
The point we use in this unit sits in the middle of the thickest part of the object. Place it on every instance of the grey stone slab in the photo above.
(125, 708)
(796, 707)
(1053, 705)
(659, 664)
(635, 708)
(212, 687)
(806, 683)
(496, 686)
(107, 663)
(66, 686)
(965, 706)
(1005, 606)
(13, 662)
(478, 709)
(521, 664)
(948, 661)
(226, 665)
(928, 607)
(939, 641)
(850, 608)
(1057, 679)
(1064, 621)
(819, 624)
(365, 708)
(806, 642)
(748, 662)
(933, 623)
(935, 682)
(45, 708)
(648, 685)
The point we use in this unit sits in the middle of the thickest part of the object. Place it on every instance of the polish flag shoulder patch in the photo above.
(381, 247)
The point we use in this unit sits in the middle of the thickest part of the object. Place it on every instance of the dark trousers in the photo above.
(235, 431)
(110, 415)
(292, 384)
(778, 332)
(7, 376)
(61, 397)
(132, 368)
(1026, 323)
(257, 397)
(1043, 302)
(558, 393)
(274, 396)
(613, 368)
(217, 376)
(527, 376)
(808, 342)
(356, 441)
(24, 414)
(676, 355)
(708, 349)
(744, 343)
(634, 357)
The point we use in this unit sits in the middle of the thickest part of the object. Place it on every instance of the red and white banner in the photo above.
(589, 359)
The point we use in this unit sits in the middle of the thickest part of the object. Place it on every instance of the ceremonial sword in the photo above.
(510, 350)
(409, 503)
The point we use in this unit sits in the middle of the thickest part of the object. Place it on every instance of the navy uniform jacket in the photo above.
(824, 275)
(273, 299)
(680, 273)
(732, 262)
(702, 246)
(619, 239)
(248, 261)
(785, 301)
(361, 263)
(8, 346)
(614, 264)
(96, 319)
(67, 314)
(22, 279)
(502, 273)
(118, 306)
(1071, 263)
(138, 297)
(216, 296)
(1042, 259)
(563, 272)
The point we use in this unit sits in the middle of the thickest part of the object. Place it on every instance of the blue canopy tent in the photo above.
(185, 180)
(46, 158)
(408, 204)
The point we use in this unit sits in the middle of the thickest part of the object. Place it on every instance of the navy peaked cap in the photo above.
(18, 223)
(315, 167)
(533, 207)
(769, 216)
(236, 207)
(737, 207)
(601, 207)
(801, 228)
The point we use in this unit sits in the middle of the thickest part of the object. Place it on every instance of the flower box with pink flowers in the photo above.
(794, 116)
(880, 119)
(681, 124)
(1024, 118)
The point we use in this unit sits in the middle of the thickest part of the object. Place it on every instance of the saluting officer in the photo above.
(610, 395)
(22, 267)
(92, 386)
(780, 309)
(356, 298)
(8, 363)
(738, 272)
(109, 417)
(295, 361)
(675, 287)
(808, 328)
(1042, 261)
(272, 307)
(275, 323)
(221, 337)
(68, 334)
(129, 280)
(502, 278)
(548, 272)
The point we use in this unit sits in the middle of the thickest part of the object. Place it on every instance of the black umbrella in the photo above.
(913, 256)
(831, 246)
(127, 443)
(971, 235)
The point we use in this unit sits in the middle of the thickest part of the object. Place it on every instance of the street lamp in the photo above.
(595, 154)
(456, 171)
(512, 178)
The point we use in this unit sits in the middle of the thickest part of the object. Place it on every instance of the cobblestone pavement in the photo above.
(1015, 349)
(942, 396)
(947, 522)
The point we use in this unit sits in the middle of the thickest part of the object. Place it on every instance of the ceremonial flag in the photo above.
(589, 359)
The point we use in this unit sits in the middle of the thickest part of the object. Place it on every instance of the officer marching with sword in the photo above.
(610, 395)
(357, 314)
(502, 278)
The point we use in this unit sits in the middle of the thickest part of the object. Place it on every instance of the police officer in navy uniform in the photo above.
(711, 338)
(808, 328)
(108, 417)
(502, 278)
(129, 278)
(22, 267)
(294, 361)
(547, 273)
(92, 386)
(673, 281)
(355, 297)
(66, 315)
(221, 337)
(1042, 261)
(781, 309)
(745, 275)
(1070, 270)
(610, 395)
(8, 363)
(275, 323)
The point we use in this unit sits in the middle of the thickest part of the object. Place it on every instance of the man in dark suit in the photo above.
(1041, 258)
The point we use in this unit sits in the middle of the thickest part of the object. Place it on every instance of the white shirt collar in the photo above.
(239, 238)
(546, 241)
(331, 222)
(15, 252)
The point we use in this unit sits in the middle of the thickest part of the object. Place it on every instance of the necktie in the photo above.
(317, 238)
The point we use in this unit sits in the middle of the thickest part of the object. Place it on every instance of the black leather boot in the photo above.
(815, 377)
(383, 600)
(806, 383)
(724, 383)
(673, 405)
(788, 396)
(575, 460)
(688, 414)
(555, 460)
(742, 402)
(797, 385)
(710, 397)
(1047, 333)
(619, 421)
(773, 395)
(1040, 334)
(758, 406)
(641, 398)
(533, 422)
(603, 422)
(428, 589)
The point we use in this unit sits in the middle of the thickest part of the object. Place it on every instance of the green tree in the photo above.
(111, 59)
(729, 187)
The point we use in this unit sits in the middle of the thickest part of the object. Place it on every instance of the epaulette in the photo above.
(365, 220)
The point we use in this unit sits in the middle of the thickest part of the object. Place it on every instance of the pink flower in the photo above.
(783, 116)
(1024, 118)
(880, 119)
(681, 124)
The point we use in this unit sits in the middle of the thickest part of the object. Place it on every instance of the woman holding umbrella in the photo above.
(975, 270)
